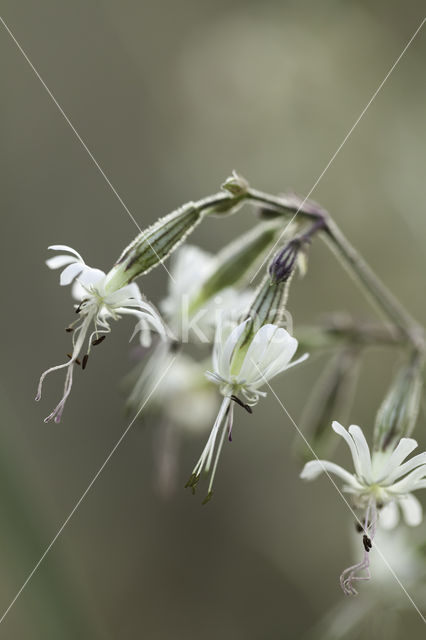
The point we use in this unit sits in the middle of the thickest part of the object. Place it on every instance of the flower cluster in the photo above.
(240, 339)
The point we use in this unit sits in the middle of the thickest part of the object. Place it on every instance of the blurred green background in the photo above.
(170, 97)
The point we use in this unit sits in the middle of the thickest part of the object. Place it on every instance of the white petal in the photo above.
(269, 353)
(89, 276)
(252, 365)
(56, 262)
(404, 448)
(226, 353)
(64, 247)
(416, 461)
(411, 510)
(389, 516)
(363, 451)
(339, 429)
(277, 368)
(70, 272)
(314, 468)
(409, 482)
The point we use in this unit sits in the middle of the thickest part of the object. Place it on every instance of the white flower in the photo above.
(382, 482)
(242, 368)
(98, 303)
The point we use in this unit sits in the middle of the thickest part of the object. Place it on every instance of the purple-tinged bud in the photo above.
(284, 262)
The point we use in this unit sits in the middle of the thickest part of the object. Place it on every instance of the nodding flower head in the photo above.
(97, 304)
(243, 362)
(382, 482)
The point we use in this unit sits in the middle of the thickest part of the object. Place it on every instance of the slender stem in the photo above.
(371, 285)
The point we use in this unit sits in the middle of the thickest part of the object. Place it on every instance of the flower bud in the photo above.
(236, 184)
(331, 398)
(398, 412)
(284, 262)
(236, 260)
(152, 246)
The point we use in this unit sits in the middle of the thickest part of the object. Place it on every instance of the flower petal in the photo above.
(69, 273)
(363, 451)
(227, 349)
(89, 275)
(404, 448)
(314, 468)
(411, 510)
(413, 463)
(56, 262)
(389, 515)
(341, 431)
(64, 247)
(409, 482)
(269, 353)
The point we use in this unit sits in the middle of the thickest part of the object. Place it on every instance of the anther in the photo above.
(366, 542)
(77, 361)
(359, 527)
(85, 359)
(98, 340)
(208, 497)
(69, 329)
(242, 404)
(80, 305)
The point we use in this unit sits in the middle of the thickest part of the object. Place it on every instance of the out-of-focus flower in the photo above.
(97, 303)
(380, 612)
(190, 268)
(382, 482)
(241, 365)
(184, 404)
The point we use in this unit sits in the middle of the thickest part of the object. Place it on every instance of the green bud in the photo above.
(236, 260)
(331, 399)
(152, 246)
(398, 412)
(236, 184)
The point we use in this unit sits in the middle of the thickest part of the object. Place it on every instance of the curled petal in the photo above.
(64, 247)
(341, 431)
(314, 468)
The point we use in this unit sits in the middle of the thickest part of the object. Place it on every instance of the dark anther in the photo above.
(174, 346)
(366, 542)
(359, 527)
(80, 305)
(77, 361)
(208, 497)
(98, 340)
(242, 404)
(85, 359)
(192, 482)
(69, 329)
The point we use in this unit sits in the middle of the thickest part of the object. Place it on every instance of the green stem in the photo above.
(371, 285)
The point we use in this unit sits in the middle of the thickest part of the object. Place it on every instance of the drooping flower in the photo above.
(241, 366)
(382, 482)
(97, 303)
